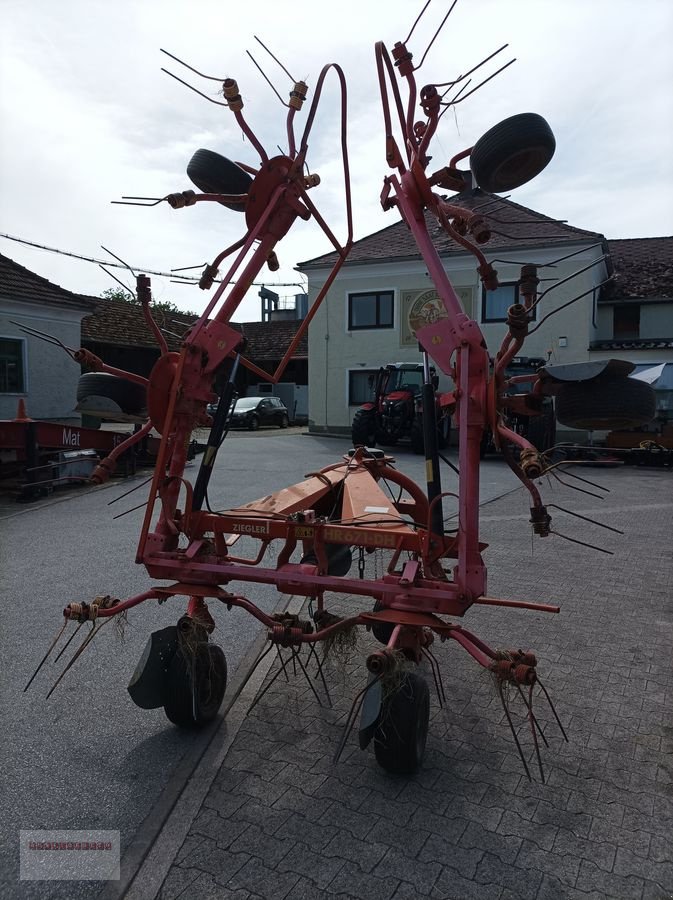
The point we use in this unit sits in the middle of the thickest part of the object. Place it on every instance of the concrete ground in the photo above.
(270, 815)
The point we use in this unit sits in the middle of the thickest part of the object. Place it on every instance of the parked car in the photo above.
(251, 412)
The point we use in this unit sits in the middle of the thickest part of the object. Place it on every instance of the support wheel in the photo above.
(363, 429)
(399, 741)
(512, 152)
(195, 684)
(215, 174)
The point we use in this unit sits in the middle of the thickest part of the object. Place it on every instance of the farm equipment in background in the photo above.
(531, 416)
(396, 412)
(434, 571)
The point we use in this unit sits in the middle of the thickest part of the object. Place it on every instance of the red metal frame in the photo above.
(411, 596)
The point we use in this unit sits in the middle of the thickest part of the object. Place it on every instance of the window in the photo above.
(361, 384)
(626, 321)
(12, 375)
(494, 304)
(370, 310)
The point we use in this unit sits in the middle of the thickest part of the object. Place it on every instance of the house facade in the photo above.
(38, 373)
(383, 292)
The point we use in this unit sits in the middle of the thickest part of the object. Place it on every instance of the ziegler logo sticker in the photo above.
(245, 528)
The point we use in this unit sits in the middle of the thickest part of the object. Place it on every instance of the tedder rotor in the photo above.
(306, 535)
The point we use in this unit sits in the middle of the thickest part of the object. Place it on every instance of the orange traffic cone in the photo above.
(21, 415)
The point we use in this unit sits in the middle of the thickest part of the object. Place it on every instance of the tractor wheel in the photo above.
(215, 174)
(605, 404)
(129, 396)
(512, 152)
(363, 429)
(416, 436)
(399, 741)
(195, 684)
(541, 430)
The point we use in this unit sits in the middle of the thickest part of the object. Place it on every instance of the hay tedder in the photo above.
(304, 537)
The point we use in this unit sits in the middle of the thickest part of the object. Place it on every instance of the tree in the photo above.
(128, 297)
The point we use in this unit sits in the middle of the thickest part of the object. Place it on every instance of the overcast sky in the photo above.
(87, 115)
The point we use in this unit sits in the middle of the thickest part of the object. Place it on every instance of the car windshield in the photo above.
(244, 403)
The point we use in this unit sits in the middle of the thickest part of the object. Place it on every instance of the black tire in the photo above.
(363, 429)
(416, 436)
(253, 423)
(129, 396)
(605, 403)
(195, 685)
(284, 422)
(512, 152)
(215, 174)
(383, 631)
(400, 737)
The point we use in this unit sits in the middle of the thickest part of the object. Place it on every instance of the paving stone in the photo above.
(267, 817)
(366, 854)
(524, 882)
(315, 835)
(177, 881)
(542, 835)
(565, 868)
(421, 873)
(612, 812)
(602, 853)
(305, 889)
(268, 883)
(450, 886)
(461, 859)
(224, 802)
(503, 846)
(351, 796)
(408, 839)
(449, 828)
(591, 878)
(637, 841)
(577, 822)
(318, 867)
(313, 808)
(265, 791)
(435, 801)
(256, 842)
(657, 872)
(225, 831)
(351, 881)
(190, 843)
(391, 810)
(207, 888)
(210, 858)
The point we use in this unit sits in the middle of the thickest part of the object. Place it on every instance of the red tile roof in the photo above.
(19, 283)
(643, 269)
(513, 226)
(123, 324)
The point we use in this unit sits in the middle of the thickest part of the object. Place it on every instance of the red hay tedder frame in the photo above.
(342, 506)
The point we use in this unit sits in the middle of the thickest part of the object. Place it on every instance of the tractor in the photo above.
(397, 412)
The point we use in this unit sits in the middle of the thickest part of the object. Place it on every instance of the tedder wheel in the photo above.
(512, 152)
(363, 429)
(130, 396)
(608, 403)
(195, 684)
(215, 174)
(284, 422)
(399, 741)
(253, 424)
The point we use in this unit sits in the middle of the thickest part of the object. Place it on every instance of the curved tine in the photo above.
(309, 682)
(569, 278)
(191, 68)
(275, 58)
(565, 462)
(470, 71)
(437, 674)
(44, 336)
(119, 259)
(581, 543)
(418, 19)
(149, 201)
(282, 662)
(268, 685)
(573, 487)
(513, 730)
(434, 37)
(68, 642)
(118, 280)
(44, 658)
(591, 290)
(267, 79)
(85, 643)
(530, 711)
(531, 719)
(585, 518)
(352, 716)
(553, 709)
(482, 83)
(196, 90)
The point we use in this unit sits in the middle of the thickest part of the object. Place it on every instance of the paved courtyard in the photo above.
(282, 820)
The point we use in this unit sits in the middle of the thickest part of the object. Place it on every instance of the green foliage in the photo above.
(127, 297)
